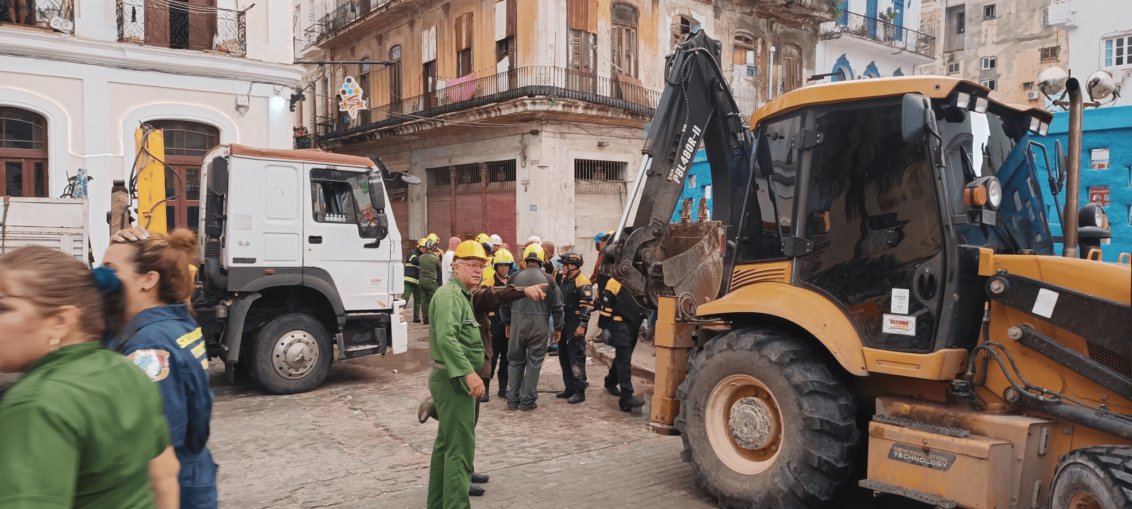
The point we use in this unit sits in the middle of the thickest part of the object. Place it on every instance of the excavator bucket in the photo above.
(687, 261)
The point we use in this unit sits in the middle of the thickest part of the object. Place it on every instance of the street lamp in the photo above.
(1100, 85)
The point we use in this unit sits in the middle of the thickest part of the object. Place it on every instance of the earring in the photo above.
(54, 344)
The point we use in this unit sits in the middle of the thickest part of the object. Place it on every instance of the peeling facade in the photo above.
(526, 117)
(1001, 44)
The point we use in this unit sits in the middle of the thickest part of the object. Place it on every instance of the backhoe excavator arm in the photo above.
(696, 107)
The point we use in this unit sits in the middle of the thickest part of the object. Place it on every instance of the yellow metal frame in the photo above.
(932, 87)
(151, 180)
(805, 308)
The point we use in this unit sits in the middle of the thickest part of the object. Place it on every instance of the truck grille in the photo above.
(218, 176)
(1110, 359)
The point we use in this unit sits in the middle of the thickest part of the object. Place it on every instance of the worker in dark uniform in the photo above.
(620, 320)
(412, 280)
(577, 303)
(163, 340)
(504, 264)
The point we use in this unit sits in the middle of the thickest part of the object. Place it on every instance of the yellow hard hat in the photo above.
(481, 238)
(503, 256)
(433, 237)
(472, 250)
(421, 243)
(534, 252)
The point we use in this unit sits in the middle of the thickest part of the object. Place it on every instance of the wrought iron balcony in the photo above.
(339, 18)
(470, 92)
(179, 25)
(881, 31)
(55, 14)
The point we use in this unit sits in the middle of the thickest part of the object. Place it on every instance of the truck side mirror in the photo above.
(1061, 164)
(412, 180)
(916, 118)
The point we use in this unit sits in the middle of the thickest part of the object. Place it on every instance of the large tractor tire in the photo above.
(1094, 478)
(290, 354)
(766, 423)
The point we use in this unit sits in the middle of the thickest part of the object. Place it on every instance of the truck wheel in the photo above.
(1093, 478)
(766, 424)
(290, 354)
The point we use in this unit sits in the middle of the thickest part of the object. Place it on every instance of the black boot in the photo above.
(426, 320)
(613, 389)
(631, 403)
(479, 478)
(475, 490)
(486, 392)
(578, 397)
(416, 319)
(502, 390)
(565, 394)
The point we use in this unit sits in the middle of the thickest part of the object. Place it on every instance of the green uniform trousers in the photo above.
(450, 475)
(413, 290)
(425, 292)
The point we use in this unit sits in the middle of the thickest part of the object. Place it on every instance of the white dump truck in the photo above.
(298, 253)
(59, 223)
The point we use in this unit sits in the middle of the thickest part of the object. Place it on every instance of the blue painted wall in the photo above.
(701, 170)
(1109, 128)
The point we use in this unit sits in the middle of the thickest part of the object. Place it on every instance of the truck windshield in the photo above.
(996, 143)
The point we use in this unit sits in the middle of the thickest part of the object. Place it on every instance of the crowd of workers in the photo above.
(492, 316)
(85, 427)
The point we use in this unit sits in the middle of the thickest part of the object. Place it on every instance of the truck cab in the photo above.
(300, 264)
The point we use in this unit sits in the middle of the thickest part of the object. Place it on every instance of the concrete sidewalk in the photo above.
(644, 358)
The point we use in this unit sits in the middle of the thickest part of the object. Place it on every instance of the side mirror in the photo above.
(1061, 163)
(412, 180)
(916, 118)
(388, 175)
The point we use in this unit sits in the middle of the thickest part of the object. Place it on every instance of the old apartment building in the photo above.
(525, 117)
(874, 39)
(1002, 44)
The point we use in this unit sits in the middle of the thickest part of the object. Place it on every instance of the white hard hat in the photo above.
(497, 240)
(534, 238)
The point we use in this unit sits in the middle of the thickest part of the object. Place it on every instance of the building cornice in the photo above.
(65, 48)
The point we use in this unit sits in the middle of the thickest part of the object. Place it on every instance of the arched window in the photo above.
(23, 153)
(185, 146)
(744, 54)
(682, 27)
(395, 80)
(624, 40)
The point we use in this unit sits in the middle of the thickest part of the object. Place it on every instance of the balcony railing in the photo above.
(880, 31)
(554, 82)
(339, 18)
(179, 25)
(56, 14)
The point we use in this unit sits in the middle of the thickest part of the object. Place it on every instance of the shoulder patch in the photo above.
(155, 363)
(613, 286)
(187, 339)
(581, 279)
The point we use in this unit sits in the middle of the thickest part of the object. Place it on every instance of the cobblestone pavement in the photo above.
(355, 443)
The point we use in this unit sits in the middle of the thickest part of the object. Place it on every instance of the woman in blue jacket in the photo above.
(162, 339)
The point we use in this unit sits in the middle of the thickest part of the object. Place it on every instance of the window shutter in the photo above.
(577, 13)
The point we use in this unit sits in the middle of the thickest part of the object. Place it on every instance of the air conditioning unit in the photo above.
(1033, 95)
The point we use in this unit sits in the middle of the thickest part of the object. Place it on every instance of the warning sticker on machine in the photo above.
(899, 324)
(921, 456)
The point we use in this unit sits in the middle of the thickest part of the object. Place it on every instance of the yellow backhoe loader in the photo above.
(877, 300)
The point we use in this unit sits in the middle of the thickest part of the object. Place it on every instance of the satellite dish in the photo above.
(1052, 80)
(1100, 85)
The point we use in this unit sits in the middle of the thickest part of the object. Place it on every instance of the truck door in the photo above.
(340, 244)
(868, 207)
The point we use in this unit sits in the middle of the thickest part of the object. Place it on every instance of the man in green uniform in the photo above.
(430, 276)
(457, 352)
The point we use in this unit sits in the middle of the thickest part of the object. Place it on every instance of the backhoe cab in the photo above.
(887, 286)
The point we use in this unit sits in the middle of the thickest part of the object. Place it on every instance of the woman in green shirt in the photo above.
(83, 427)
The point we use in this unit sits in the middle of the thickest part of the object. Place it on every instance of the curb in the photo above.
(606, 359)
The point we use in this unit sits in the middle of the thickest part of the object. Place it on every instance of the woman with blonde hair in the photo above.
(162, 338)
(82, 427)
